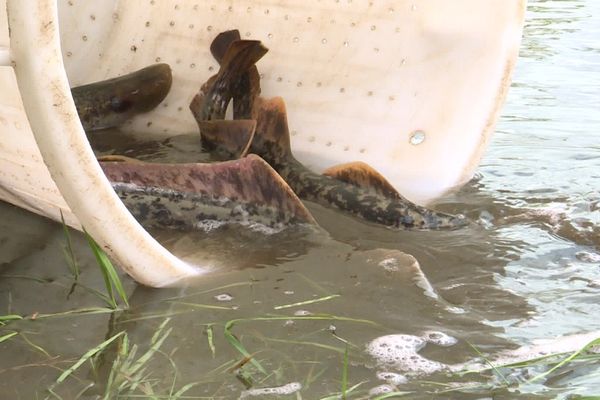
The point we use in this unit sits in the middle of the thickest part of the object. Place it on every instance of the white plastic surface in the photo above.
(42, 82)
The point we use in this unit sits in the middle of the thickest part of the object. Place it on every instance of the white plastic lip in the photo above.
(35, 53)
(4, 56)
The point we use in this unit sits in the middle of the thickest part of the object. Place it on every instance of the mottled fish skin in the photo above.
(183, 196)
(111, 102)
(271, 142)
(162, 208)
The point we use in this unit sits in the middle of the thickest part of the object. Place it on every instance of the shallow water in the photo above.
(527, 271)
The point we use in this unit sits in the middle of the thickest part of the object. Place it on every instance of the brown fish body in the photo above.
(271, 142)
(111, 102)
(187, 196)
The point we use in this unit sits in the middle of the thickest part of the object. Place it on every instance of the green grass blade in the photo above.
(79, 311)
(10, 317)
(305, 343)
(184, 389)
(235, 342)
(345, 373)
(157, 340)
(303, 303)
(68, 250)
(488, 362)
(392, 395)
(35, 346)
(86, 357)
(211, 339)
(8, 336)
(202, 306)
(111, 277)
(565, 361)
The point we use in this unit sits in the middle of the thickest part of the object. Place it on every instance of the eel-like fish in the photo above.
(355, 188)
(187, 196)
(111, 102)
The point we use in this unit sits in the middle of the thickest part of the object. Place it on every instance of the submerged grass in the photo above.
(112, 281)
(237, 344)
(68, 250)
(109, 273)
(550, 362)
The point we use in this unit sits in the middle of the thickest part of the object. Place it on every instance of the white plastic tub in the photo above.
(413, 88)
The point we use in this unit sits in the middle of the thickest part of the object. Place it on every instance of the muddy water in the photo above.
(410, 307)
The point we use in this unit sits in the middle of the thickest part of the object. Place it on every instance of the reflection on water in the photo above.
(529, 269)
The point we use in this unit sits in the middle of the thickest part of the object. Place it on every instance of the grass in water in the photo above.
(345, 374)
(129, 375)
(237, 344)
(112, 281)
(109, 273)
(68, 250)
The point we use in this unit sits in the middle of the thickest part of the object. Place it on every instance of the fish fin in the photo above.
(272, 137)
(221, 42)
(246, 92)
(117, 158)
(248, 88)
(249, 181)
(227, 139)
(239, 57)
(362, 175)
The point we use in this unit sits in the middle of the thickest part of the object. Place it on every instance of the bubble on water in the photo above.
(275, 391)
(392, 378)
(381, 389)
(264, 229)
(224, 297)
(440, 338)
(302, 313)
(208, 225)
(401, 353)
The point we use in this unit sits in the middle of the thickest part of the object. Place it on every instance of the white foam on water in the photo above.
(265, 230)
(392, 378)
(224, 297)
(538, 348)
(208, 225)
(543, 347)
(381, 389)
(272, 391)
(302, 313)
(439, 338)
(400, 352)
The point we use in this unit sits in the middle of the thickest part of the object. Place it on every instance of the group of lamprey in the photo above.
(254, 177)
